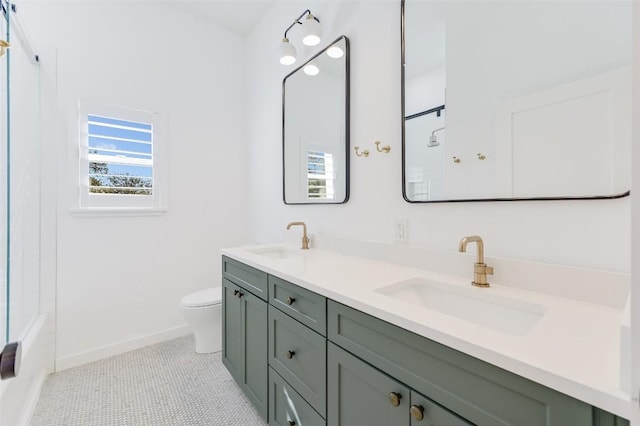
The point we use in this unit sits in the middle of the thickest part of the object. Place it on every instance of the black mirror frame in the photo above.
(347, 127)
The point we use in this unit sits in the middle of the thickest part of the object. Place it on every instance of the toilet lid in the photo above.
(207, 297)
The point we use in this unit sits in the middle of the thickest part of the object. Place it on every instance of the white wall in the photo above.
(592, 234)
(120, 279)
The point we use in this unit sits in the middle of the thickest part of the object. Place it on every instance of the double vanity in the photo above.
(327, 336)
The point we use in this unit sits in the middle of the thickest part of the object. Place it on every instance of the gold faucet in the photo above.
(480, 269)
(305, 239)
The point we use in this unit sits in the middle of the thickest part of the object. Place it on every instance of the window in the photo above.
(121, 152)
(320, 175)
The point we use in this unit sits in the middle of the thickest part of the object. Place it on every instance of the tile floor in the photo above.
(164, 384)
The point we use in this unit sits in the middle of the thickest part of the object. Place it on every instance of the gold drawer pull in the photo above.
(417, 411)
(395, 398)
(290, 300)
(290, 354)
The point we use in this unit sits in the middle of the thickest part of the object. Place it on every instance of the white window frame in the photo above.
(118, 203)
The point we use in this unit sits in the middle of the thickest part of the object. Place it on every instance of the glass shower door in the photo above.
(19, 182)
(23, 185)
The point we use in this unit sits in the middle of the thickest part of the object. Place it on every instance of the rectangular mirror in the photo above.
(315, 128)
(516, 100)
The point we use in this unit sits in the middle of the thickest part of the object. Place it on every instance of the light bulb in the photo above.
(311, 69)
(335, 52)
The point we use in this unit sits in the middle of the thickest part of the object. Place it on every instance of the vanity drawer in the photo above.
(287, 407)
(299, 355)
(475, 390)
(306, 306)
(245, 276)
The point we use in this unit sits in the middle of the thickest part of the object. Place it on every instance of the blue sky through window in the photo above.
(120, 148)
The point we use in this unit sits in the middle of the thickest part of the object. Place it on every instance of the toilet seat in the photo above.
(208, 297)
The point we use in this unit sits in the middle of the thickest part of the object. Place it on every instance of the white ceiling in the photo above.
(239, 16)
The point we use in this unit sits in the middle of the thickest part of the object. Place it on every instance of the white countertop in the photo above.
(574, 348)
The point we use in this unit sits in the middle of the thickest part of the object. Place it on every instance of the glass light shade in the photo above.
(311, 69)
(335, 52)
(311, 31)
(287, 52)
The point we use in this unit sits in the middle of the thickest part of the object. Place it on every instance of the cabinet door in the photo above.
(360, 395)
(425, 412)
(244, 340)
(232, 330)
(255, 350)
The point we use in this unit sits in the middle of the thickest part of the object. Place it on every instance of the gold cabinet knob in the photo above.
(290, 300)
(417, 411)
(395, 398)
(290, 354)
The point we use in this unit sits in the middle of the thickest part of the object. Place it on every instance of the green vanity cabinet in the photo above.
(304, 360)
(244, 341)
(474, 390)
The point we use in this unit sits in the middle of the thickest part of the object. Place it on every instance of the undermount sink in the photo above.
(477, 306)
(278, 252)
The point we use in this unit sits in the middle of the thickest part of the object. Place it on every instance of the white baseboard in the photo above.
(120, 348)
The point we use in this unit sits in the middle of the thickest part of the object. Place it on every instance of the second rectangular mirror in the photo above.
(537, 105)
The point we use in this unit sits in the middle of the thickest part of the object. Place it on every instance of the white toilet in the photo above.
(203, 312)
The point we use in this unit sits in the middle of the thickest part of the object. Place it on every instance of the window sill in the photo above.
(117, 211)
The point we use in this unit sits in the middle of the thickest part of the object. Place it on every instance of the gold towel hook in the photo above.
(385, 148)
(364, 153)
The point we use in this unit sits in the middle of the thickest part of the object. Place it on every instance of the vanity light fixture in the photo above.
(311, 37)
(287, 52)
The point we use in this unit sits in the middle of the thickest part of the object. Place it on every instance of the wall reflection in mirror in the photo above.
(316, 128)
(516, 100)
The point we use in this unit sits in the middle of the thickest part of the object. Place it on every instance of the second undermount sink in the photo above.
(477, 306)
(276, 252)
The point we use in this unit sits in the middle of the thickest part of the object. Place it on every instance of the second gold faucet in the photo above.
(305, 238)
(480, 269)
